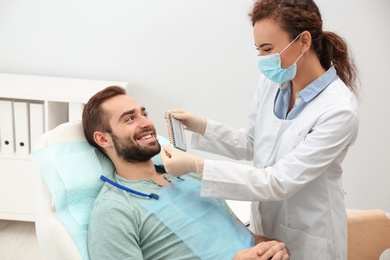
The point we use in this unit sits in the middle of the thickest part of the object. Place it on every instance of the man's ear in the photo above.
(102, 139)
(305, 41)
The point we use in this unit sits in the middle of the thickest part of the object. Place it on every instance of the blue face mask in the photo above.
(270, 66)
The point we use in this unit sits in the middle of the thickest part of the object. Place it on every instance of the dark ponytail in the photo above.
(336, 53)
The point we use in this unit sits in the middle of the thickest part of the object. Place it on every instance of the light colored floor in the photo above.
(18, 241)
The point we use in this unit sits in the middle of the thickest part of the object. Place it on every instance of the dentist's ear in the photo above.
(306, 41)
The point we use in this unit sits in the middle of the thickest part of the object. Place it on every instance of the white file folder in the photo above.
(7, 139)
(22, 127)
(37, 122)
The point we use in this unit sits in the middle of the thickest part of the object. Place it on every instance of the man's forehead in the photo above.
(122, 101)
(120, 104)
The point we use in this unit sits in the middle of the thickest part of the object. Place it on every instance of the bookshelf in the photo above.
(29, 106)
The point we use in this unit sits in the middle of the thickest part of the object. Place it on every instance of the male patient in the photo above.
(148, 214)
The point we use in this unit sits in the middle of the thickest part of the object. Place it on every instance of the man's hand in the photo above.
(273, 249)
(178, 163)
(190, 121)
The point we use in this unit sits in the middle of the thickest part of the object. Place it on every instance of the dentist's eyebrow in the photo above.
(262, 45)
(130, 112)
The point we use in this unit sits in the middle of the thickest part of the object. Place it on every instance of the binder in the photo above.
(7, 140)
(37, 122)
(22, 126)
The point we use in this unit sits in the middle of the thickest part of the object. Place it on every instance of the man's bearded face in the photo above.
(131, 151)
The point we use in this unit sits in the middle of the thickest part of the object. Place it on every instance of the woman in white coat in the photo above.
(303, 120)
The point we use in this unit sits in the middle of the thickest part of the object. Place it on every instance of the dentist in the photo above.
(303, 120)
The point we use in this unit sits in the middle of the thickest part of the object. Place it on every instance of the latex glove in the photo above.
(177, 162)
(190, 121)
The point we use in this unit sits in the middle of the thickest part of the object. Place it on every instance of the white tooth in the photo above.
(146, 137)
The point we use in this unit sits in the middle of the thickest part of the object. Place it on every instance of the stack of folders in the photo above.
(21, 123)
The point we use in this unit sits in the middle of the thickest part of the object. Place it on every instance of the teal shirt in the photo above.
(121, 228)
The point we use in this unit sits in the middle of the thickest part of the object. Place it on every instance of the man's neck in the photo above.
(140, 171)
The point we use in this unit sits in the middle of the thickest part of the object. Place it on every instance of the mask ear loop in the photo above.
(299, 57)
(290, 44)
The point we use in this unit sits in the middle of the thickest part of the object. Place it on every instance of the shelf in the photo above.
(34, 105)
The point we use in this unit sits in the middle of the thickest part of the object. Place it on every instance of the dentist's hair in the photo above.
(296, 16)
(94, 117)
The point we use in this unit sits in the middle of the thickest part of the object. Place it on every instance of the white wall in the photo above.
(199, 55)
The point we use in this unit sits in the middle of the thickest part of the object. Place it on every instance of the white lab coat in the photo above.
(296, 181)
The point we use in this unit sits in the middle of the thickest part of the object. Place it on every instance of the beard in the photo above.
(132, 152)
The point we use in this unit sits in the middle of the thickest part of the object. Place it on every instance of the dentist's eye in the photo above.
(267, 50)
(263, 51)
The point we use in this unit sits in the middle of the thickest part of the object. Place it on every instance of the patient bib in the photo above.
(201, 223)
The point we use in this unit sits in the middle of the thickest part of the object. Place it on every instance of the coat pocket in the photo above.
(303, 246)
(289, 140)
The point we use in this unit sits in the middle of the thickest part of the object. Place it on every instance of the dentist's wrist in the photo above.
(198, 166)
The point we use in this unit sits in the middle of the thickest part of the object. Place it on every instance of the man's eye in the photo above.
(145, 115)
(128, 119)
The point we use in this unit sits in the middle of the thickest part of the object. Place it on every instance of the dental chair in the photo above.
(68, 173)
(54, 239)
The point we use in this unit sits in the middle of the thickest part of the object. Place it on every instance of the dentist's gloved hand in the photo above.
(178, 163)
(191, 121)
